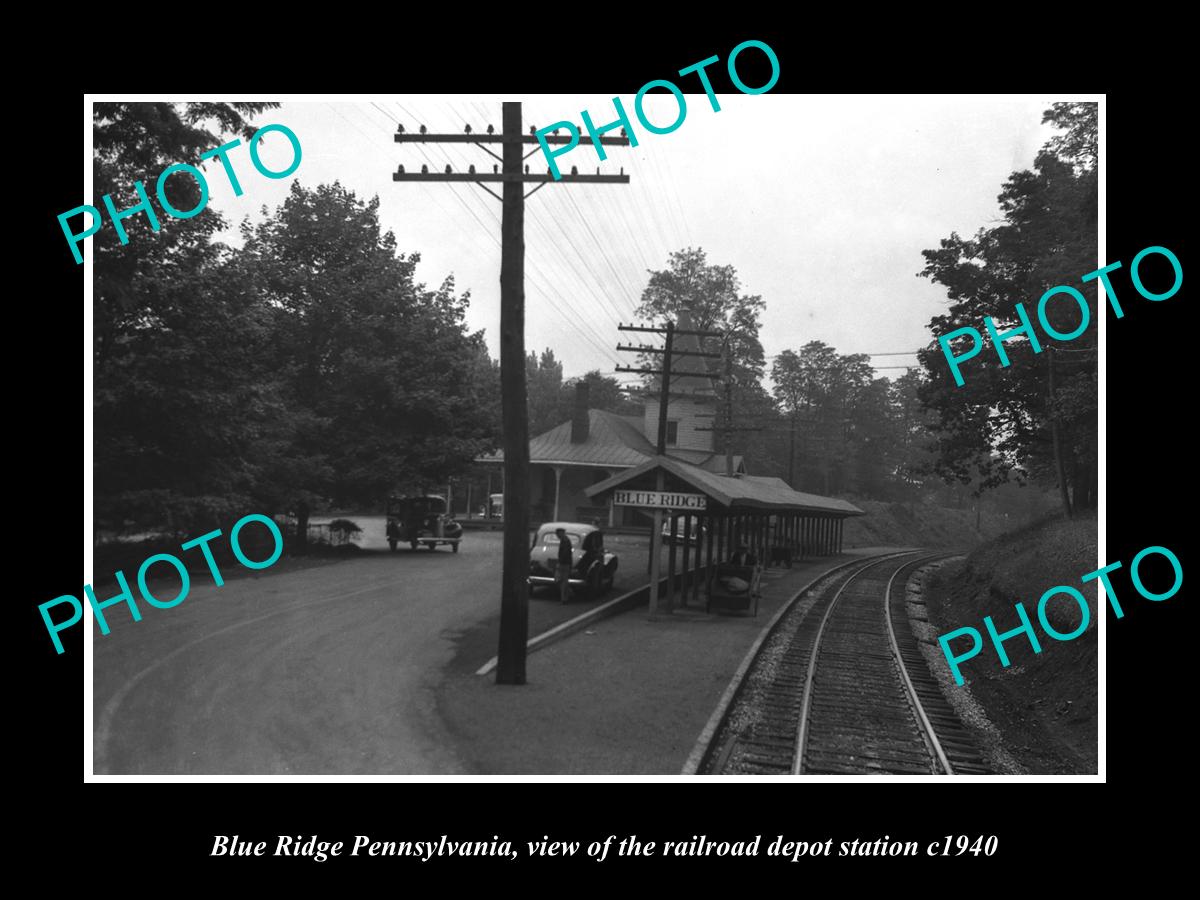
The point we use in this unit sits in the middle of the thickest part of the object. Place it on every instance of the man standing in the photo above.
(562, 572)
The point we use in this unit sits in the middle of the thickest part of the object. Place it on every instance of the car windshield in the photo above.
(420, 506)
(550, 539)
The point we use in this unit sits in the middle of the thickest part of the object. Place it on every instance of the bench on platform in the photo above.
(723, 595)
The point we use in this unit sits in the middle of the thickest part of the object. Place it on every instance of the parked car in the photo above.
(421, 520)
(593, 568)
(689, 529)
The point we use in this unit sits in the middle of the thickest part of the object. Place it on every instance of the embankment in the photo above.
(920, 525)
(1044, 705)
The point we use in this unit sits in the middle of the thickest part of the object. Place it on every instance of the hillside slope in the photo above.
(1044, 705)
(919, 525)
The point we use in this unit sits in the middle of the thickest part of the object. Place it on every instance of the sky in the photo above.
(822, 204)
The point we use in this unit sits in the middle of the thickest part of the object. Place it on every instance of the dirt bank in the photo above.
(920, 525)
(1044, 705)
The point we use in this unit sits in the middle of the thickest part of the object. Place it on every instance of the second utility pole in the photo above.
(659, 482)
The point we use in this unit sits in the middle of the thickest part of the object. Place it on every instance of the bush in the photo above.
(341, 530)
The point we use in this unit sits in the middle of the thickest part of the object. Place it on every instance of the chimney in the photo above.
(579, 416)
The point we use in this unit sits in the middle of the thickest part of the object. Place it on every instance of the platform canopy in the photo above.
(724, 494)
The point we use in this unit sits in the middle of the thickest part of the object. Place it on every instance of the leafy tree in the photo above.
(710, 294)
(1003, 423)
(174, 431)
(551, 400)
(543, 391)
(604, 393)
(135, 142)
(820, 392)
(378, 371)
(711, 297)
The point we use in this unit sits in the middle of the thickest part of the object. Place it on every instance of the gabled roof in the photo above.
(744, 492)
(613, 441)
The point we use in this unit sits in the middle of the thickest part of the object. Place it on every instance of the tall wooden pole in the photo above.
(666, 388)
(792, 454)
(514, 596)
(514, 588)
(656, 529)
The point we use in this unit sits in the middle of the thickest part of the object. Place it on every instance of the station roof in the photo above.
(744, 492)
(613, 442)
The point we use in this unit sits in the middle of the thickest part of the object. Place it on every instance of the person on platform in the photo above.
(562, 571)
(743, 557)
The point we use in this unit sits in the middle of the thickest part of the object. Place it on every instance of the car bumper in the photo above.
(542, 580)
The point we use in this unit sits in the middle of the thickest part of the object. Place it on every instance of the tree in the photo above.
(178, 339)
(1036, 416)
(378, 371)
(543, 391)
(818, 391)
(710, 295)
(551, 400)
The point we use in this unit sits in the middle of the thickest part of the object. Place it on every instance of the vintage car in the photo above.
(421, 520)
(687, 529)
(592, 567)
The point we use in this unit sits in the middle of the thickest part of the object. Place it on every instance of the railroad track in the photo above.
(839, 686)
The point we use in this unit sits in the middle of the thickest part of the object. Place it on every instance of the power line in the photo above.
(583, 328)
(514, 597)
(590, 326)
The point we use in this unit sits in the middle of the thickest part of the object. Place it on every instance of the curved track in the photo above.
(839, 686)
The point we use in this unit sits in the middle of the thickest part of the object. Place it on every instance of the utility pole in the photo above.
(668, 353)
(792, 452)
(728, 380)
(514, 591)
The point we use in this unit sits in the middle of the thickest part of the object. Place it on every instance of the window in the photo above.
(550, 539)
(672, 432)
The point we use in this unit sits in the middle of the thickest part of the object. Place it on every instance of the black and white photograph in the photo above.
(532, 435)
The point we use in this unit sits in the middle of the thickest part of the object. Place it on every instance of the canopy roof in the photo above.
(745, 492)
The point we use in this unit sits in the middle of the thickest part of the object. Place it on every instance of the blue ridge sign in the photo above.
(660, 499)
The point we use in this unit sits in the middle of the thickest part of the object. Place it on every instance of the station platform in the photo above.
(628, 695)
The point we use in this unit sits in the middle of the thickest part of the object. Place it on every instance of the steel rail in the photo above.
(802, 731)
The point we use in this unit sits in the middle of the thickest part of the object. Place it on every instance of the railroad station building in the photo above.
(575, 466)
(596, 444)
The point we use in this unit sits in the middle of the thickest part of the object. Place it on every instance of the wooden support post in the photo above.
(672, 578)
(655, 551)
(684, 577)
